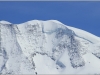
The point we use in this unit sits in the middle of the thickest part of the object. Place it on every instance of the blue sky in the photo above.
(83, 15)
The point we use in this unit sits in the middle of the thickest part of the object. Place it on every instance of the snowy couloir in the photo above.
(47, 47)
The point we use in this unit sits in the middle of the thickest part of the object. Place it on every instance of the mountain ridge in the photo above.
(51, 40)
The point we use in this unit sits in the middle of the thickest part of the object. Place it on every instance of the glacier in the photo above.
(47, 47)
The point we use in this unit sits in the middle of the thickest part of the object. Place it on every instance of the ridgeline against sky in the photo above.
(83, 15)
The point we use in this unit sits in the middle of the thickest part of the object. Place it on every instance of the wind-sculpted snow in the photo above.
(47, 47)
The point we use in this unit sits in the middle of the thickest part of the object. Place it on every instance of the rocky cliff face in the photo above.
(49, 45)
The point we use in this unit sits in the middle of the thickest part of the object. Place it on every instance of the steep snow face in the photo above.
(48, 47)
(85, 35)
(12, 61)
(49, 38)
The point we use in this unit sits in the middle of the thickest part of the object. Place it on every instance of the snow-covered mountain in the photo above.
(47, 47)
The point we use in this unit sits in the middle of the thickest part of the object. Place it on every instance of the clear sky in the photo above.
(83, 15)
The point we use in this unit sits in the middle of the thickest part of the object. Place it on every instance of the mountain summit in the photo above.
(47, 47)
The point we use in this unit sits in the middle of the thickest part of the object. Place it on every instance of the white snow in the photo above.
(48, 47)
(85, 34)
(4, 22)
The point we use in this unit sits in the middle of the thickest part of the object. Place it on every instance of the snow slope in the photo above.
(47, 47)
